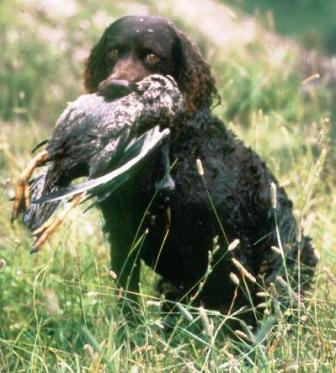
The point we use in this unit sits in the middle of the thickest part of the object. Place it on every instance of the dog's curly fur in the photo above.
(185, 62)
(233, 201)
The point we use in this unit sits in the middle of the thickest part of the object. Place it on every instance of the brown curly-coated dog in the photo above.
(188, 230)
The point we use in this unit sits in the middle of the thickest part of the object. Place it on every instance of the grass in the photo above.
(310, 21)
(59, 309)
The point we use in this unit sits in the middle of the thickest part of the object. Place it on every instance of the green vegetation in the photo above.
(58, 309)
(310, 21)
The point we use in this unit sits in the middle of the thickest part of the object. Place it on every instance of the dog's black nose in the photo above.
(113, 88)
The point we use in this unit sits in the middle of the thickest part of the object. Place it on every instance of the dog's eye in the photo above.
(113, 53)
(152, 58)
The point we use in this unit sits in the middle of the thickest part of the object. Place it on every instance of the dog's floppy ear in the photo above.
(96, 66)
(194, 77)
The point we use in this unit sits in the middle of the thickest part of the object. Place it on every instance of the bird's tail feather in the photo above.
(134, 155)
(36, 215)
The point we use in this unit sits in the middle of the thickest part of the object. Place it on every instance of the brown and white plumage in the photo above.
(95, 135)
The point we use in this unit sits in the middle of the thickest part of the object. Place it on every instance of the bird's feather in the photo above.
(105, 141)
(136, 151)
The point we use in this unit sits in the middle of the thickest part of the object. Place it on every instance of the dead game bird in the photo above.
(92, 137)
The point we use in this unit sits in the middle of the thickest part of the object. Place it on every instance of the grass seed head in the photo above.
(208, 327)
(199, 166)
(274, 195)
(233, 244)
(234, 278)
(277, 250)
(243, 336)
(112, 274)
(244, 272)
(90, 351)
(185, 312)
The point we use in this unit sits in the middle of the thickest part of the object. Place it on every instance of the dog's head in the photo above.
(134, 47)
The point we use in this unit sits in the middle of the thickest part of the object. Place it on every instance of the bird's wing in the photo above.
(135, 153)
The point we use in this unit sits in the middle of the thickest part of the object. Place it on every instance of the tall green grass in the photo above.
(309, 21)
